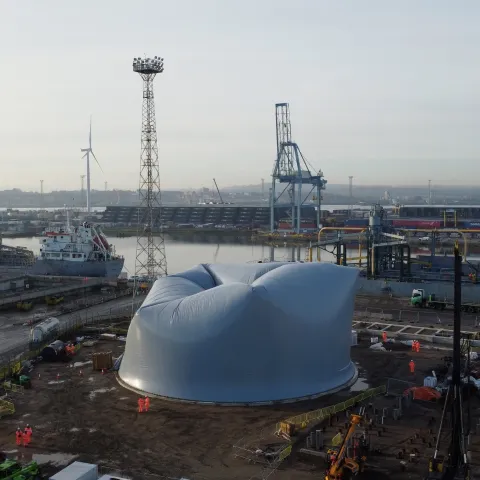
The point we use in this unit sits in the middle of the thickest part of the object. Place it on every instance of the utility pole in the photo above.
(429, 192)
(106, 186)
(41, 193)
(150, 260)
(350, 194)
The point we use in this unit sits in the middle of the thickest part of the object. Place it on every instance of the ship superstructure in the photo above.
(77, 251)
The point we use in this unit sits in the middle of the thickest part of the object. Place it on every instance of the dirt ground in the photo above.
(93, 419)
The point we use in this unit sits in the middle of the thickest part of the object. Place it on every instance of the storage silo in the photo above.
(252, 333)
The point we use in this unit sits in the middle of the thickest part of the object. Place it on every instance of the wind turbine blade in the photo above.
(85, 154)
(90, 134)
(98, 163)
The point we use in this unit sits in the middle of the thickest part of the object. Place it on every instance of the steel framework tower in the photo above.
(150, 260)
(292, 169)
(82, 190)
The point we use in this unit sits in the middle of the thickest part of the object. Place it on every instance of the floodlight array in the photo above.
(155, 63)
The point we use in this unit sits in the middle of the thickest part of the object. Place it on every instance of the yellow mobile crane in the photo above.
(341, 466)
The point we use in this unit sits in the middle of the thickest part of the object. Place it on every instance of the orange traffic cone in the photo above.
(103, 371)
(58, 376)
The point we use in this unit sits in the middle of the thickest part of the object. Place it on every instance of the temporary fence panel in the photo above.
(301, 421)
(6, 408)
(13, 387)
(102, 360)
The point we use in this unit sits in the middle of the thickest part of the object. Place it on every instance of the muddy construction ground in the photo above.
(93, 419)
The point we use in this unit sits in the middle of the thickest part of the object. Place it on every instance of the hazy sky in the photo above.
(387, 91)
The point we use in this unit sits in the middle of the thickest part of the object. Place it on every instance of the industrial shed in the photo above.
(246, 333)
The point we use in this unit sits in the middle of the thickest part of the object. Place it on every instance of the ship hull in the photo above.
(62, 268)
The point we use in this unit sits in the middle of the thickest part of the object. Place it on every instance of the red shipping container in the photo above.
(423, 224)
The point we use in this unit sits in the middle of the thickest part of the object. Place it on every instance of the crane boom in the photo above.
(218, 191)
(336, 468)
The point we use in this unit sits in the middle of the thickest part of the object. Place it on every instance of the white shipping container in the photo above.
(77, 471)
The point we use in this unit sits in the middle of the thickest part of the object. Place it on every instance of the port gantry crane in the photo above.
(292, 170)
(454, 465)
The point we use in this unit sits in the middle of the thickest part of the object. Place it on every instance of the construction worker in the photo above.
(384, 337)
(411, 365)
(141, 405)
(417, 346)
(25, 439)
(414, 345)
(18, 437)
(147, 403)
(28, 431)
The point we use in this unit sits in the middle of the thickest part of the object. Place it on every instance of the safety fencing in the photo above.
(414, 316)
(6, 408)
(13, 387)
(302, 420)
(11, 361)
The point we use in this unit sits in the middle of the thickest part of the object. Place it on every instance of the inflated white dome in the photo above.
(243, 333)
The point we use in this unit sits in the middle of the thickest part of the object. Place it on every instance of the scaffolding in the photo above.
(268, 455)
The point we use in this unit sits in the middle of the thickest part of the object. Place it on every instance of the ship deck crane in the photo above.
(218, 191)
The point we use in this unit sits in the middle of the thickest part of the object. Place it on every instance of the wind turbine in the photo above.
(89, 151)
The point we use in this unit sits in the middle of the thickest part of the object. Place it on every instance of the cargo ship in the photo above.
(77, 251)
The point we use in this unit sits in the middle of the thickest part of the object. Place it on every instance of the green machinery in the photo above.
(12, 470)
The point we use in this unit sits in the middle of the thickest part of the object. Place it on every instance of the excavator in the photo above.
(342, 467)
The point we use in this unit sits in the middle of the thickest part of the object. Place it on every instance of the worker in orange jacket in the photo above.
(141, 405)
(18, 436)
(384, 337)
(411, 365)
(28, 431)
(25, 439)
(147, 403)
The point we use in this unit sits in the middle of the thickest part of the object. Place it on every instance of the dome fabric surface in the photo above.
(251, 333)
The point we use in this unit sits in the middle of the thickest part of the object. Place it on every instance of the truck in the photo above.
(44, 330)
(422, 299)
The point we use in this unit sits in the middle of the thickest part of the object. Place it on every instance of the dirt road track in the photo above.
(13, 336)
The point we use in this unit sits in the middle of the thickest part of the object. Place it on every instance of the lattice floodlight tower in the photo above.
(150, 261)
(292, 170)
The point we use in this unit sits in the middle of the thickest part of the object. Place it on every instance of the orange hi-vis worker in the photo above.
(411, 365)
(25, 439)
(147, 403)
(141, 405)
(18, 437)
(384, 336)
(417, 346)
(29, 432)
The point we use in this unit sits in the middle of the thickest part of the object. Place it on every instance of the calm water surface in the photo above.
(182, 255)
